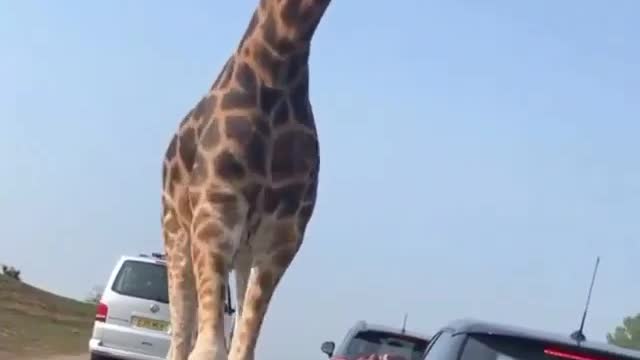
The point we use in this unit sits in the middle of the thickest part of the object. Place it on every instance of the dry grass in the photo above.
(38, 323)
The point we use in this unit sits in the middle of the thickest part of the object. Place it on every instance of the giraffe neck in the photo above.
(286, 27)
(277, 41)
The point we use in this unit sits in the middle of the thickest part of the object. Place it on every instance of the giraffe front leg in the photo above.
(182, 291)
(216, 231)
(270, 262)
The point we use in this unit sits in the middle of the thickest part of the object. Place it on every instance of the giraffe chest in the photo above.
(267, 141)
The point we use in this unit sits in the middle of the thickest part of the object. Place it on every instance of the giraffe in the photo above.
(240, 178)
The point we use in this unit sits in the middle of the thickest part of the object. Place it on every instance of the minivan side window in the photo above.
(442, 347)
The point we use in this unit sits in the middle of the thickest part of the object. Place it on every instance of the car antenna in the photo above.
(404, 323)
(578, 335)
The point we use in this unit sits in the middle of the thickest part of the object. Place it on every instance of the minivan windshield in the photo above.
(494, 347)
(142, 280)
(399, 346)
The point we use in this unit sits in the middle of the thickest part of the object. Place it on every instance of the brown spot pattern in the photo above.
(282, 258)
(246, 78)
(265, 280)
(274, 38)
(269, 97)
(281, 114)
(228, 167)
(228, 207)
(263, 128)
(296, 65)
(211, 135)
(267, 62)
(225, 76)
(205, 107)
(187, 147)
(294, 154)
(209, 232)
(238, 99)
(285, 200)
(239, 128)
(171, 149)
(164, 174)
(300, 104)
(251, 192)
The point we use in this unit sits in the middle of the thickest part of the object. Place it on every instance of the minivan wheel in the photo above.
(99, 357)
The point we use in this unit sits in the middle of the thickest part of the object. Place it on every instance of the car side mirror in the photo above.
(328, 347)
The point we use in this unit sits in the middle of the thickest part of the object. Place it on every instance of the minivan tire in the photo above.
(99, 357)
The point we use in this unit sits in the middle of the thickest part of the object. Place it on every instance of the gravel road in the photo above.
(71, 357)
(64, 357)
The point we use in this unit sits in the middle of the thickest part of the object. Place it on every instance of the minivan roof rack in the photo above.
(155, 255)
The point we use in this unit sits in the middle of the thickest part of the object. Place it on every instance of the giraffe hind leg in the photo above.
(182, 291)
(269, 264)
(242, 267)
(218, 224)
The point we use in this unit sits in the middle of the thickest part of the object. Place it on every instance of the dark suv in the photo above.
(365, 339)
(476, 340)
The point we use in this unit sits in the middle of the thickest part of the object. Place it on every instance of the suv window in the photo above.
(142, 280)
(494, 347)
(381, 342)
(443, 347)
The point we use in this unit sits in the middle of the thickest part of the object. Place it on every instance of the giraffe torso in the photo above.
(254, 139)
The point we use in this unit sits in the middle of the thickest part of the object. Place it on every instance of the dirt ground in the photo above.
(60, 357)
(37, 324)
(69, 357)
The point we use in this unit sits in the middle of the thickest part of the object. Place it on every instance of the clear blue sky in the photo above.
(476, 156)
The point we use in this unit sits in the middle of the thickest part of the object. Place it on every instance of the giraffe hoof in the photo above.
(208, 353)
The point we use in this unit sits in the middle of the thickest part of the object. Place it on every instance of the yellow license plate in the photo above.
(150, 324)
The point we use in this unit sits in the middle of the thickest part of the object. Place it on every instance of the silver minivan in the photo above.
(132, 319)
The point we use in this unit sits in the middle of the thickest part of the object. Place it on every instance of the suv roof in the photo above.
(472, 326)
(363, 326)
